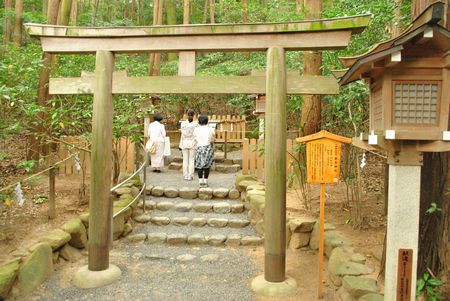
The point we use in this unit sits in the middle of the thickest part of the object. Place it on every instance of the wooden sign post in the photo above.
(323, 158)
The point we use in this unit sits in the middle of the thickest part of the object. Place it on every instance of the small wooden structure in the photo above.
(273, 38)
(323, 161)
(409, 78)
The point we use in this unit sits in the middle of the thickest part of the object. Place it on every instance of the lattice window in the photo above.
(416, 102)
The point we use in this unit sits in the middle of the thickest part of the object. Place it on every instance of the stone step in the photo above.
(182, 205)
(192, 221)
(190, 193)
(218, 159)
(195, 239)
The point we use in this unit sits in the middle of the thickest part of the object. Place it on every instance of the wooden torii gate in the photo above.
(275, 38)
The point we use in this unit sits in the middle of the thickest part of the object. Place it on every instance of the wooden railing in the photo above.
(229, 128)
(253, 157)
(125, 148)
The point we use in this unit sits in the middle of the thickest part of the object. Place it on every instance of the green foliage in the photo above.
(427, 286)
(27, 165)
(433, 208)
(39, 199)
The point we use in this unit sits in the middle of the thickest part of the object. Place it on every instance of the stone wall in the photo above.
(32, 266)
(346, 268)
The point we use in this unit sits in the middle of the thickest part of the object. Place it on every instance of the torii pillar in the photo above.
(274, 282)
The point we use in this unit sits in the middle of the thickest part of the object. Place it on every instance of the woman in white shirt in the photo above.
(157, 134)
(187, 145)
(204, 155)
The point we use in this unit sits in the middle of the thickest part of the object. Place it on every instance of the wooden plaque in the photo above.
(323, 158)
(404, 274)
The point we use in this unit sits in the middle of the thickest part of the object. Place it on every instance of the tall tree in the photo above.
(154, 64)
(397, 26)
(212, 8)
(133, 7)
(74, 12)
(18, 20)
(65, 7)
(171, 20)
(44, 7)
(245, 20)
(435, 181)
(186, 11)
(7, 34)
(311, 108)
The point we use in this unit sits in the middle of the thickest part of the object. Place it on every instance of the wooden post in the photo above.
(51, 198)
(275, 169)
(100, 207)
(226, 145)
(321, 240)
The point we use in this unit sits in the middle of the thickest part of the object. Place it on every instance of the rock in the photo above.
(8, 274)
(36, 268)
(196, 239)
(148, 189)
(134, 191)
(359, 258)
(139, 237)
(352, 269)
(220, 193)
(183, 207)
(372, 297)
(70, 253)
(301, 224)
(359, 286)
(222, 207)
(242, 186)
(251, 241)
(299, 240)
(233, 194)
(217, 222)
(198, 222)
(343, 295)
(56, 238)
(85, 219)
(257, 202)
(158, 191)
(118, 225)
(171, 192)
(233, 240)
(55, 257)
(126, 213)
(209, 258)
(181, 221)
(240, 178)
(175, 166)
(188, 193)
(237, 208)
(186, 257)
(237, 161)
(122, 190)
(238, 223)
(176, 159)
(155, 238)
(164, 205)
(228, 168)
(143, 218)
(258, 186)
(77, 231)
(205, 193)
(176, 239)
(149, 205)
(216, 240)
(333, 239)
(160, 220)
(127, 229)
(203, 207)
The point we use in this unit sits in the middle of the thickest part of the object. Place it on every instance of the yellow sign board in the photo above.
(323, 158)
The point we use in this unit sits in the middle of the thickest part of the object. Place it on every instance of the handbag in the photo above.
(150, 146)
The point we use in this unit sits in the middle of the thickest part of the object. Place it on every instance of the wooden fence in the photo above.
(125, 148)
(229, 128)
(253, 157)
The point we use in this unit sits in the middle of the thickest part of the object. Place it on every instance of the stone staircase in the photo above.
(221, 163)
(194, 217)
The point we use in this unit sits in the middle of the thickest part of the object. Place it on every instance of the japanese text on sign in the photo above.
(323, 161)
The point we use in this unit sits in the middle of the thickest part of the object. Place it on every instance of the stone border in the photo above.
(192, 193)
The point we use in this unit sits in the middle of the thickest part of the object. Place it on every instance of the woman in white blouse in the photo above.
(187, 145)
(204, 154)
(157, 134)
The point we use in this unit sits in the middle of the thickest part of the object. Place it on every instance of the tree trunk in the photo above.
(94, 15)
(397, 26)
(139, 14)
(245, 20)
(7, 34)
(18, 20)
(133, 4)
(186, 12)
(125, 10)
(66, 6)
(212, 11)
(311, 108)
(171, 20)
(299, 5)
(44, 7)
(74, 13)
(154, 64)
(205, 12)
